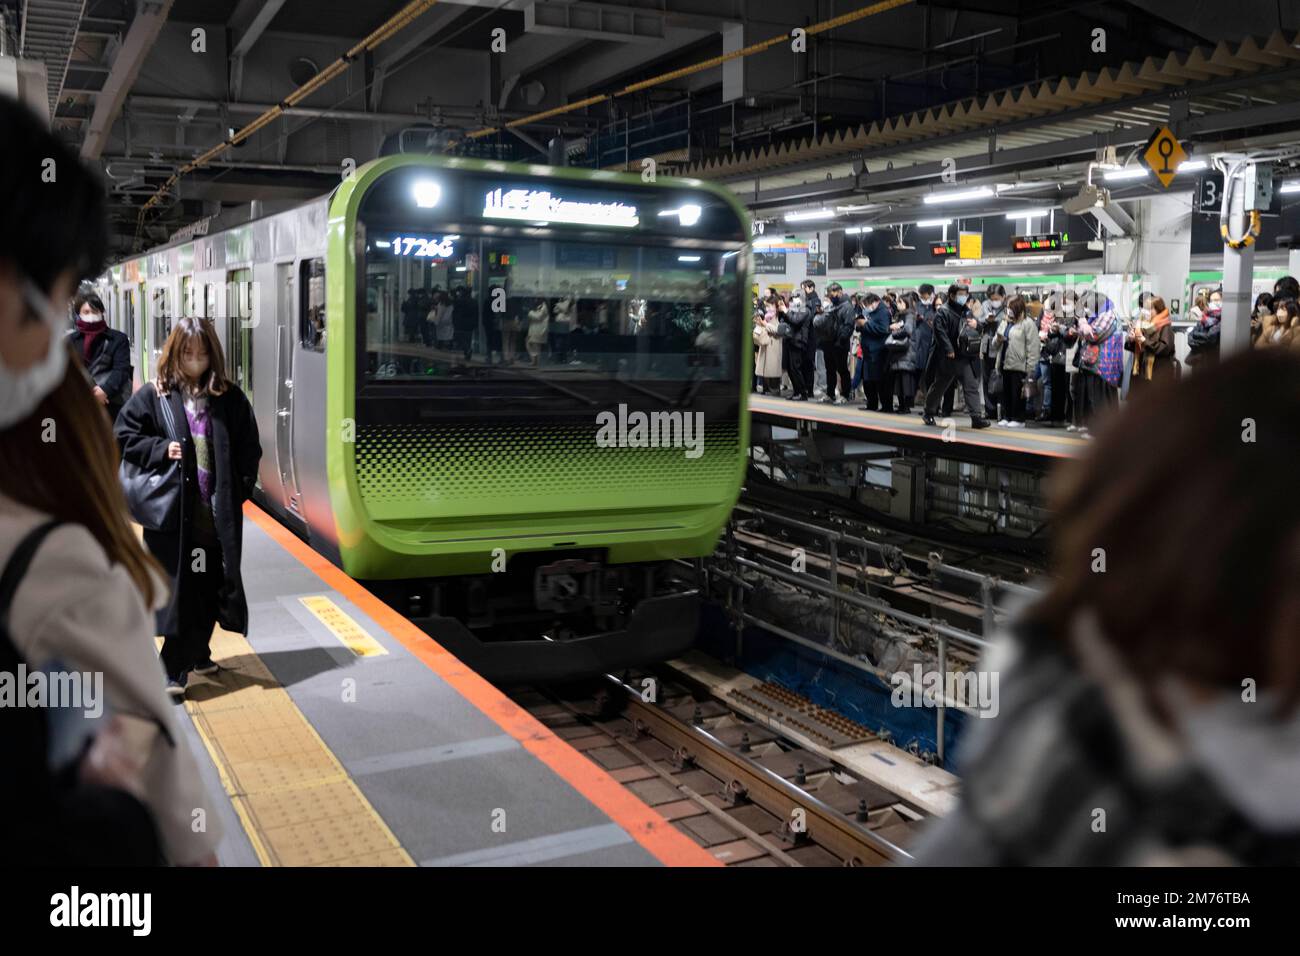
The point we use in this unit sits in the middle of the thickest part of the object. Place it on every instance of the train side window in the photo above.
(311, 304)
(162, 316)
(209, 300)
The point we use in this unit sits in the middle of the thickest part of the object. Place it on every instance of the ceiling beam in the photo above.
(144, 30)
(247, 24)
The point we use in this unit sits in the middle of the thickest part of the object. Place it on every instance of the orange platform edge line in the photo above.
(655, 834)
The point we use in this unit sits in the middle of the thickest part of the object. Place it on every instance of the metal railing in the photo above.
(728, 564)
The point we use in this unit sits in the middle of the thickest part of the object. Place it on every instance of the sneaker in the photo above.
(797, 398)
(827, 400)
(1003, 423)
(841, 400)
(978, 423)
(176, 686)
(929, 420)
(1071, 428)
(206, 666)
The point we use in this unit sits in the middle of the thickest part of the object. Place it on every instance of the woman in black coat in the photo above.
(105, 352)
(216, 441)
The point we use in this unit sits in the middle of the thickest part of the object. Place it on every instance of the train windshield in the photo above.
(447, 307)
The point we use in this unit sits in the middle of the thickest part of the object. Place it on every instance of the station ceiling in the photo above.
(867, 106)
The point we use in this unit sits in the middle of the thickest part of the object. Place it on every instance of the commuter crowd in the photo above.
(1058, 361)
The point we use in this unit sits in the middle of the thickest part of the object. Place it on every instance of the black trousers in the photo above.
(199, 608)
(1060, 392)
(837, 364)
(902, 384)
(808, 369)
(1013, 399)
(794, 359)
(963, 370)
(991, 401)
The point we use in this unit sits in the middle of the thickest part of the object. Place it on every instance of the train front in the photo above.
(539, 403)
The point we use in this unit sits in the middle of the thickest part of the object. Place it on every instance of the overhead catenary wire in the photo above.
(713, 62)
(413, 10)
(385, 31)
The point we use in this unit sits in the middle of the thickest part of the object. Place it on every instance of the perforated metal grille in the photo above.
(533, 466)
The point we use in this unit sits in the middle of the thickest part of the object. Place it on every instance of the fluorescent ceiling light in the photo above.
(383, 243)
(858, 208)
(1028, 213)
(857, 230)
(688, 258)
(1288, 188)
(809, 216)
(426, 193)
(933, 222)
(1192, 165)
(964, 195)
(1132, 172)
(770, 241)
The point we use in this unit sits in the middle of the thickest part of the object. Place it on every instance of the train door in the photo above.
(239, 315)
(286, 311)
(161, 319)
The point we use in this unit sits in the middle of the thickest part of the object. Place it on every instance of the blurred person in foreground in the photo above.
(1142, 721)
(129, 794)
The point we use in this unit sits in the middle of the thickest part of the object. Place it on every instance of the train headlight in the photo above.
(426, 193)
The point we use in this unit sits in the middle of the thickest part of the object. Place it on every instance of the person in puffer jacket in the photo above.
(1017, 347)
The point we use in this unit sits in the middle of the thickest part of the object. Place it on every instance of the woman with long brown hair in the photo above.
(81, 603)
(1148, 703)
(1152, 345)
(193, 414)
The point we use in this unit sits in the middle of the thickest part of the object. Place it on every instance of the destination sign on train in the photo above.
(1041, 242)
(544, 206)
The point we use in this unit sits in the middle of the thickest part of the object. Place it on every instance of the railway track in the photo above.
(737, 786)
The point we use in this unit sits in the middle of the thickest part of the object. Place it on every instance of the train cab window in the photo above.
(239, 327)
(311, 305)
(209, 300)
(443, 306)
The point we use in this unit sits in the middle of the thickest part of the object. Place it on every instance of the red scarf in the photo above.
(89, 332)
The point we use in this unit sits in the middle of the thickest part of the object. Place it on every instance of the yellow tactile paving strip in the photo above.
(295, 800)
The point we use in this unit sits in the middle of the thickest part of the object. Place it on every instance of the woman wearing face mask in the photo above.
(1152, 345)
(216, 441)
(1018, 350)
(1259, 315)
(1113, 694)
(1098, 361)
(105, 352)
(993, 313)
(1203, 339)
(82, 605)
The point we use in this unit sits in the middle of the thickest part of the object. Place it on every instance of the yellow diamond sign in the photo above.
(1163, 155)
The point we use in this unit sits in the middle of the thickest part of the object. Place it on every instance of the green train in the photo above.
(508, 398)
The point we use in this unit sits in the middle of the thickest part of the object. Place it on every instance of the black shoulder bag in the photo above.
(153, 497)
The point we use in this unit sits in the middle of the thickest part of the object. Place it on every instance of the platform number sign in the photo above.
(1163, 155)
(1209, 194)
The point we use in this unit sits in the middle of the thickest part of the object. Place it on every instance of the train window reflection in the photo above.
(446, 307)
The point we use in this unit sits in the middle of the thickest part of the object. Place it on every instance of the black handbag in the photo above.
(783, 330)
(153, 497)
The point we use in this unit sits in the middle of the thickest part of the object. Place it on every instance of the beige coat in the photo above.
(75, 607)
(767, 362)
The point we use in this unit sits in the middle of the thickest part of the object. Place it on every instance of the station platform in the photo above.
(994, 444)
(338, 733)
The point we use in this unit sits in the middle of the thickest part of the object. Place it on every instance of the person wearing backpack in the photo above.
(957, 341)
(77, 586)
(105, 352)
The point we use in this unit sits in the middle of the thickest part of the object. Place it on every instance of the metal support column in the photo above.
(1238, 274)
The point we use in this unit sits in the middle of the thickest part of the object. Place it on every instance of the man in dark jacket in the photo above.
(813, 303)
(835, 346)
(873, 329)
(105, 352)
(958, 356)
(798, 349)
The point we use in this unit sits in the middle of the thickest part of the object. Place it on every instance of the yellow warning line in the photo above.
(351, 634)
(295, 800)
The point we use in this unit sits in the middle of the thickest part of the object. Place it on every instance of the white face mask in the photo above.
(21, 392)
(94, 318)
